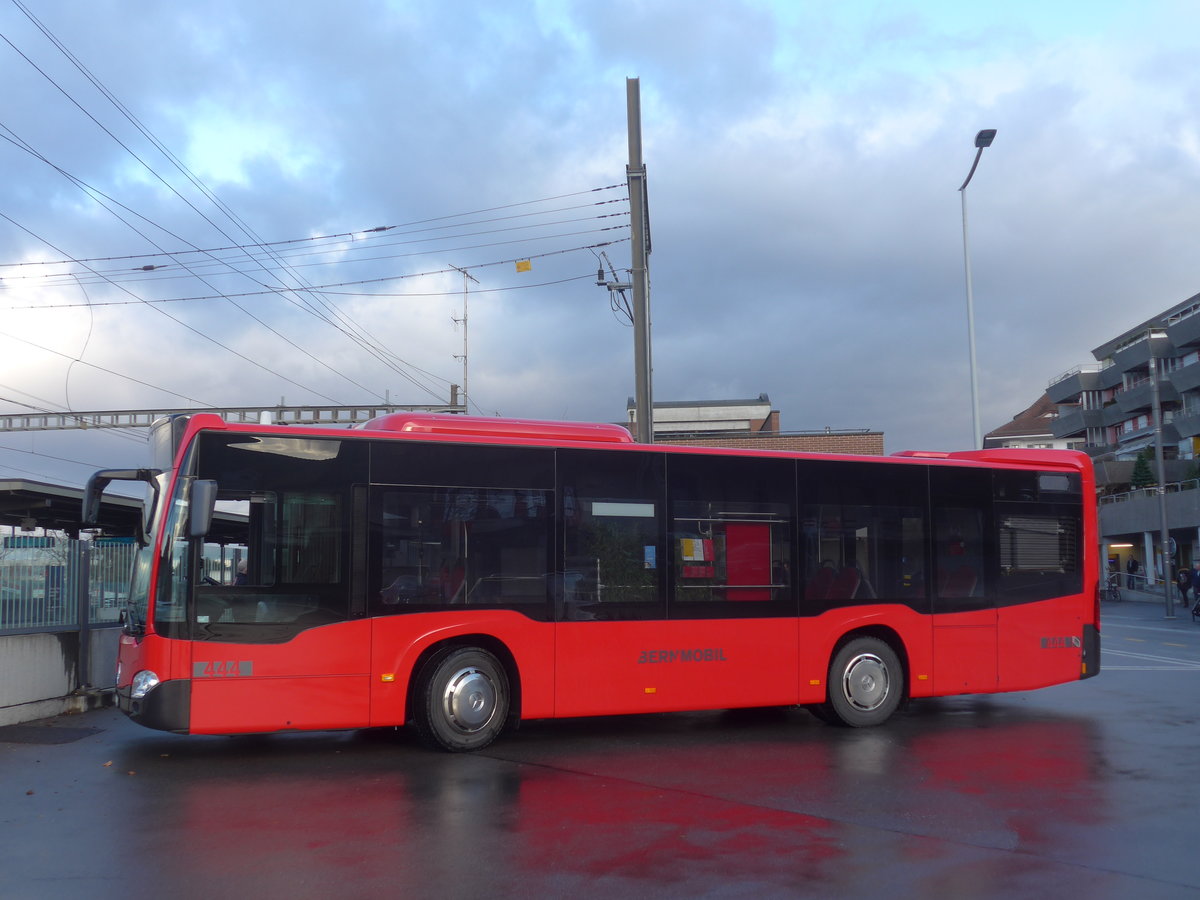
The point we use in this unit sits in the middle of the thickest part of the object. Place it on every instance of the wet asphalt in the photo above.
(1088, 789)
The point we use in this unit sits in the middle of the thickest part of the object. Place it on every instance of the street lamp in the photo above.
(983, 140)
(1157, 340)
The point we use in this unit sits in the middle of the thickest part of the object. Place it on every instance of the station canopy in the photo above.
(29, 505)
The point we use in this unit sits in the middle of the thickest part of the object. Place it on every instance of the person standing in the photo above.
(1131, 570)
(1183, 580)
(1196, 582)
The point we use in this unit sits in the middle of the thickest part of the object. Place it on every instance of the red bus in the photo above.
(462, 574)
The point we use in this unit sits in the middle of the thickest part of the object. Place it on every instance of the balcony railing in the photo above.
(1078, 370)
(1173, 487)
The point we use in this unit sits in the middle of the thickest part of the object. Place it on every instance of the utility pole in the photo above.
(635, 174)
(463, 320)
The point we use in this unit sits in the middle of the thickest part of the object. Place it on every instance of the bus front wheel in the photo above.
(462, 700)
(866, 683)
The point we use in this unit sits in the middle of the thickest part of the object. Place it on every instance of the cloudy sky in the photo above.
(804, 161)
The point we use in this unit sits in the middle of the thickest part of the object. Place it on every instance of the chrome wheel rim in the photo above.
(469, 701)
(866, 682)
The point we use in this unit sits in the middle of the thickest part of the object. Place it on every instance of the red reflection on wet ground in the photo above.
(723, 803)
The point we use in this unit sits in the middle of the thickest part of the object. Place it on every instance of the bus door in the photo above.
(964, 608)
(1040, 584)
(671, 599)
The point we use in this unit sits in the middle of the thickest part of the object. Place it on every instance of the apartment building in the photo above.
(1106, 408)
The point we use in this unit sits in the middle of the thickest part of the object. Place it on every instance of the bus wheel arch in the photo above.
(867, 679)
(464, 693)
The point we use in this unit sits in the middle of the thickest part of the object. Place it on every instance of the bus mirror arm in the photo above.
(90, 514)
(203, 503)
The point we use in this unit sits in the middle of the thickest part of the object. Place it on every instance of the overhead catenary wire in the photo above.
(87, 340)
(272, 262)
(107, 371)
(92, 192)
(180, 322)
(151, 272)
(34, 472)
(359, 334)
(75, 462)
(330, 288)
(277, 290)
(49, 407)
(355, 332)
(347, 239)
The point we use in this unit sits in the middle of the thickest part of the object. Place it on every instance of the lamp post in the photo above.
(983, 140)
(1157, 339)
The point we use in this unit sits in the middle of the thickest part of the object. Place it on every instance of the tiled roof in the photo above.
(1032, 421)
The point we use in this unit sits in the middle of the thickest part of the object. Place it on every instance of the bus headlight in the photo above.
(143, 683)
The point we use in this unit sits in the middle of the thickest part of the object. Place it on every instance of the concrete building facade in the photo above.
(748, 424)
(1107, 409)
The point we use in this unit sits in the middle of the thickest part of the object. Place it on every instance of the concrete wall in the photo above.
(1141, 514)
(39, 673)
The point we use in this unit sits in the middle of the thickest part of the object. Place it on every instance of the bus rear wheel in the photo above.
(462, 700)
(866, 683)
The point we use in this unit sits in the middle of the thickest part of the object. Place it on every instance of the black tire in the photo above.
(866, 683)
(462, 700)
(824, 713)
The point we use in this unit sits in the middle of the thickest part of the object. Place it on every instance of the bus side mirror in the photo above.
(90, 513)
(203, 502)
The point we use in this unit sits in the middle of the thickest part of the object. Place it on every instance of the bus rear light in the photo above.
(143, 683)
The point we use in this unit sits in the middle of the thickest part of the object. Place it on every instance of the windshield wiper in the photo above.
(131, 620)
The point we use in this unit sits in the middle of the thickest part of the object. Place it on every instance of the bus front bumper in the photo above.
(165, 708)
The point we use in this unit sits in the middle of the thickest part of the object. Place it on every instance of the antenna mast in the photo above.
(466, 275)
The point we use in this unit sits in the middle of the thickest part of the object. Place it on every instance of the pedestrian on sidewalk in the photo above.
(1183, 581)
(1196, 583)
(1131, 569)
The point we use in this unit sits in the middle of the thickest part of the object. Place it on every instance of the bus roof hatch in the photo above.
(486, 426)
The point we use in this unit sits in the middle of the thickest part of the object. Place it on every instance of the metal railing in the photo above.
(1173, 487)
(1136, 581)
(1078, 370)
(50, 584)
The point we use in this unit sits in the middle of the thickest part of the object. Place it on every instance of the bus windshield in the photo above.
(275, 557)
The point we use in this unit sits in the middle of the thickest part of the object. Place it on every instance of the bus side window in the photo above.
(738, 553)
(860, 554)
(732, 526)
(302, 532)
(445, 547)
(959, 560)
(612, 515)
(311, 538)
(1038, 532)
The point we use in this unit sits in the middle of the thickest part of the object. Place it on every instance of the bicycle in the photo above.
(1112, 590)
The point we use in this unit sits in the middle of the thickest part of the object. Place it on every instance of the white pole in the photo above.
(983, 140)
(978, 434)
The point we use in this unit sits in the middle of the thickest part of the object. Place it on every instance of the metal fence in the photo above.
(50, 583)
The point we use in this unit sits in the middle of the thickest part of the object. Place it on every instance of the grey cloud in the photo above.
(803, 173)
